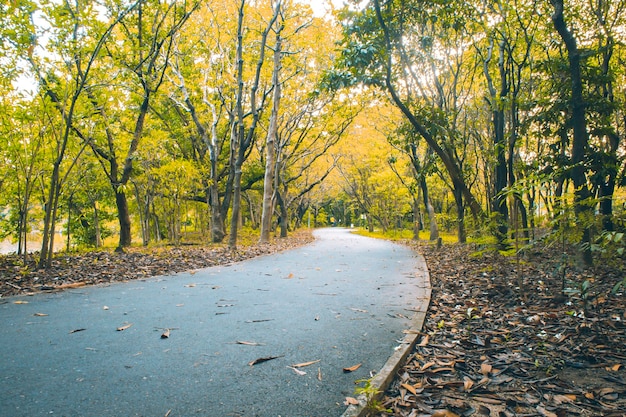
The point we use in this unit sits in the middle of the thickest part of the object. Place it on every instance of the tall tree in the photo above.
(143, 48)
(578, 120)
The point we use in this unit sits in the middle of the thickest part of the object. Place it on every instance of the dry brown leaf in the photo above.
(352, 368)
(303, 364)
(297, 371)
(467, 383)
(242, 342)
(40, 314)
(424, 341)
(485, 368)
(77, 330)
(71, 285)
(560, 399)
(614, 368)
(165, 334)
(261, 360)
(351, 401)
(124, 327)
(444, 413)
(409, 388)
(290, 276)
(545, 412)
(427, 365)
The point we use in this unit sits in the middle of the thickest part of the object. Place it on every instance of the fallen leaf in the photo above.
(261, 360)
(319, 374)
(409, 388)
(560, 399)
(427, 365)
(242, 342)
(165, 334)
(290, 276)
(352, 368)
(20, 302)
(351, 401)
(424, 341)
(545, 412)
(190, 285)
(614, 368)
(297, 371)
(71, 285)
(124, 327)
(303, 364)
(358, 310)
(485, 368)
(77, 330)
(40, 314)
(467, 383)
(444, 413)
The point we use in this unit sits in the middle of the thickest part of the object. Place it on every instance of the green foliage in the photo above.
(371, 394)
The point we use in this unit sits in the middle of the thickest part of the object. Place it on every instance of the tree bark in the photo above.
(272, 131)
(580, 135)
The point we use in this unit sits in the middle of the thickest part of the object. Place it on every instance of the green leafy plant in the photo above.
(370, 393)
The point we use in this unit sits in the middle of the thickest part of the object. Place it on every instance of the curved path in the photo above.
(342, 300)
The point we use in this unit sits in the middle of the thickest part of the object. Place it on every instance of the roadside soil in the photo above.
(502, 338)
(19, 276)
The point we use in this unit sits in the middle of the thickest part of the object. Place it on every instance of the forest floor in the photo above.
(500, 339)
(18, 276)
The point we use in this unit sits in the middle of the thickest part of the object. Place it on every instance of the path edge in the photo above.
(387, 373)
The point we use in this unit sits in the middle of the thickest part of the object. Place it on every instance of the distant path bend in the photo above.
(343, 300)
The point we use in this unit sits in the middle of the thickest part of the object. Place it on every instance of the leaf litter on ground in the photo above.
(500, 339)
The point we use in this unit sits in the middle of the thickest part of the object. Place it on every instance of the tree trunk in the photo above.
(580, 135)
(123, 217)
(270, 159)
(434, 229)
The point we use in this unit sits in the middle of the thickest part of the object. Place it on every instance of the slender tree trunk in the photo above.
(270, 159)
(434, 229)
(580, 138)
(123, 217)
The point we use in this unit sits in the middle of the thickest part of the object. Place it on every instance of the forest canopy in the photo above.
(144, 121)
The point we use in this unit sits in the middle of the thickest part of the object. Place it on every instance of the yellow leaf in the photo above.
(20, 302)
(124, 327)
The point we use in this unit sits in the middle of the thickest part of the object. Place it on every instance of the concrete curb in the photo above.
(385, 376)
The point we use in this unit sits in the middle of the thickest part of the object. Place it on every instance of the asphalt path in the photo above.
(343, 300)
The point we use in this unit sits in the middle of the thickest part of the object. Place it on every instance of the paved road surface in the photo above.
(343, 300)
